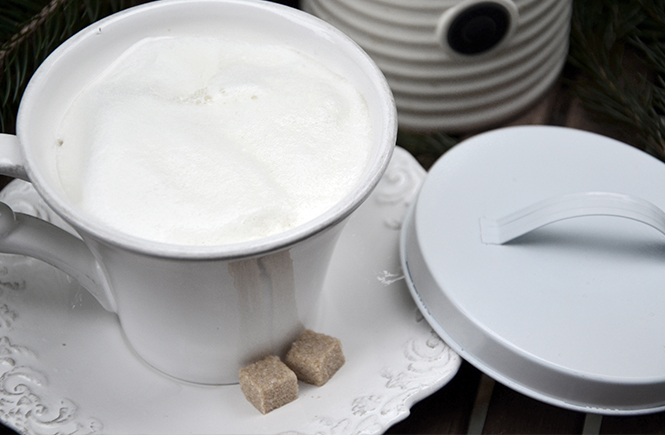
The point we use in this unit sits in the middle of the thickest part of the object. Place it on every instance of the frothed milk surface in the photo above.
(205, 141)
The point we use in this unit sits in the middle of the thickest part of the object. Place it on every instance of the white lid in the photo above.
(571, 313)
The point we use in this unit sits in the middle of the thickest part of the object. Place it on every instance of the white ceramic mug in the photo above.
(197, 313)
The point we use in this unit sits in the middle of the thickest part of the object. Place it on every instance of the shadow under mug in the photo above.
(196, 313)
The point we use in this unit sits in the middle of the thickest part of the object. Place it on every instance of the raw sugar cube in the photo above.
(315, 357)
(268, 384)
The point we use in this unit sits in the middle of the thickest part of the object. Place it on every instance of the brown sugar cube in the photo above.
(315, 357)
(268, 384)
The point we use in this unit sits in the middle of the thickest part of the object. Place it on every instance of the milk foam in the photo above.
(205, 141)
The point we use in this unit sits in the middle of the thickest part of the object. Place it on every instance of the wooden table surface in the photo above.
(474, 403)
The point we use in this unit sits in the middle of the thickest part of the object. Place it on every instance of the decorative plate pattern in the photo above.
(64, 366)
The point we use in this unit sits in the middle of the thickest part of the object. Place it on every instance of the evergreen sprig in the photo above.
(426, 147)
(29, 31)
(618, 50)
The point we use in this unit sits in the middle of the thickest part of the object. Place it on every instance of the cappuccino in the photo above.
(206, 141)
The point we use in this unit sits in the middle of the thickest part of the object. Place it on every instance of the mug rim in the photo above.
(91, 227)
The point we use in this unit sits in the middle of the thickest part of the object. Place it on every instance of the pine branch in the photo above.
(618, 48)
(426, 147)
(30, 31)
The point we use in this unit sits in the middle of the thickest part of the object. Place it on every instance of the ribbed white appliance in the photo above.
(457, 66)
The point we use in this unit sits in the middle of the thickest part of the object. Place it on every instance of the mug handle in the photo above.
(27, 235)
(11, 158)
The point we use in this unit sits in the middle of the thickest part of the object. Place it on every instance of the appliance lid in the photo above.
(538, 254)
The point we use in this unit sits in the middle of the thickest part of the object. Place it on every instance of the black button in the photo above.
(478, 28)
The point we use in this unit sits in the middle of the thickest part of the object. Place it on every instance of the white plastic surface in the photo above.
(436, 89)
(530, 218)
(572, 313)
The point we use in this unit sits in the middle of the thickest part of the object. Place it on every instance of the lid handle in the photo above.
(507, 228)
